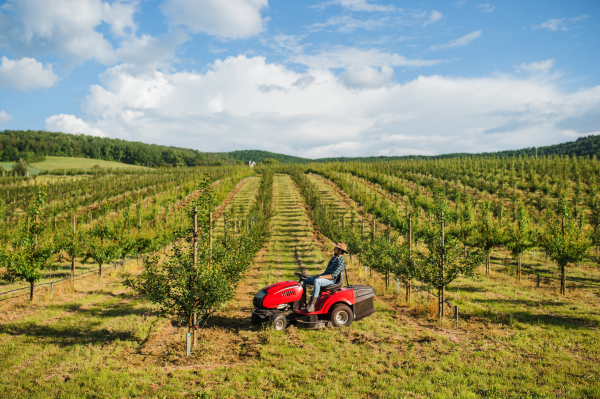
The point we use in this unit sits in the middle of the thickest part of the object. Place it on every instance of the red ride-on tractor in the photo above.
(281, 304)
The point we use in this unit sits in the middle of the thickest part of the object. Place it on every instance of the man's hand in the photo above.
(327, 276)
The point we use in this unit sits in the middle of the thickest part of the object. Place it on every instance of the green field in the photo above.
(51, 163)
(72, 163)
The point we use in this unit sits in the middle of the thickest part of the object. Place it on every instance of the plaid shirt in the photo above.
(335, 267)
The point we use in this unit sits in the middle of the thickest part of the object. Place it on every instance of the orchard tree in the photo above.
(564, 240)
(520, 236)
(443, 260)
(488, 233)
(29, 252)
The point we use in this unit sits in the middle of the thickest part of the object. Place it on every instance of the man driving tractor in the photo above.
(334, 269)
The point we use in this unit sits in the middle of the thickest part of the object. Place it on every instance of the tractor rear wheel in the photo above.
(341, 315)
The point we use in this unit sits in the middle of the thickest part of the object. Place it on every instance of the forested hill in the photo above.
(34, 145)
(260, 156)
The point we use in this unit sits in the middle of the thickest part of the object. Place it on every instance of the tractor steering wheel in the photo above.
(301, 276)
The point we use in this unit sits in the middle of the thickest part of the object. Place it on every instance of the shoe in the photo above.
(311, 305)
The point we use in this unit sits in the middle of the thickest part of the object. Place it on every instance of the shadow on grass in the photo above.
(522, 316)
(84, 327)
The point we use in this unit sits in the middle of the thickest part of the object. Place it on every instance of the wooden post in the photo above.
(195, 260)
(409, 283)
(195, 241)
(441, 289)
(225, 229)
(73, 257)
(563, 273)
(456, 314)
(210, 236)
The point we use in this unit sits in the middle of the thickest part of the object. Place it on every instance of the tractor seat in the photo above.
(335, 286)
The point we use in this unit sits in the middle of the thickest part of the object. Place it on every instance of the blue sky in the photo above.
(307, 78)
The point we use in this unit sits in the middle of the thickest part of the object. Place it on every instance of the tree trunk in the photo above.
(563, 280)
(100, 268)
(31, 291)
(195, 336)
(408, 291)
(519, 268)
(73, 270)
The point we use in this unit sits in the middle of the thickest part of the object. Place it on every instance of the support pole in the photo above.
(188, 342)
(195, 261)
(73, 258)
(456, 314)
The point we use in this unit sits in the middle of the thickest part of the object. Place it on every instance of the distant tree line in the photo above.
(33, 146)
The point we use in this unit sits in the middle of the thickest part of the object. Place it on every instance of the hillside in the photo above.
(34, 145)
(51, 163)
(260, 156)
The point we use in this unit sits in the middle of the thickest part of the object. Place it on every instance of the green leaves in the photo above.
(183, 287)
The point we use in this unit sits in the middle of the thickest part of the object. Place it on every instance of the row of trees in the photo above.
(493, 226)
(36, 243)
(206, 268)
(453, 241)
(34, 145)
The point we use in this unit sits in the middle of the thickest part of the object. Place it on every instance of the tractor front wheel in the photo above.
(278, 322)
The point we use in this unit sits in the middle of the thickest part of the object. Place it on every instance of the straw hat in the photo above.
(341, 246)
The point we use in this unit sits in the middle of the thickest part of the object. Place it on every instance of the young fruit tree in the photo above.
(28, 253)
(404, 264)
(520, 237)
(489, 233)
(444, 259)
(101, 247)
(202, 274)
(564, 240)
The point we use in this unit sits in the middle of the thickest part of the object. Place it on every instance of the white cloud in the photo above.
(361, 5)
(487, 7)
(70, 124)
(347, 24)
(247, 103)
(231, 19)
(67, 27)
(553, 24)
(563, 24)
(366, 77)
(460, 42)
(540, 67)
(5, 116)
(26, 73)
(345, 57)
(434, 16)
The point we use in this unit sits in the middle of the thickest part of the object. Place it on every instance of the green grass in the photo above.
(72, 163)
(101, 340)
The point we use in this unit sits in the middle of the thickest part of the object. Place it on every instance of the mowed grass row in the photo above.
(548, 343)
